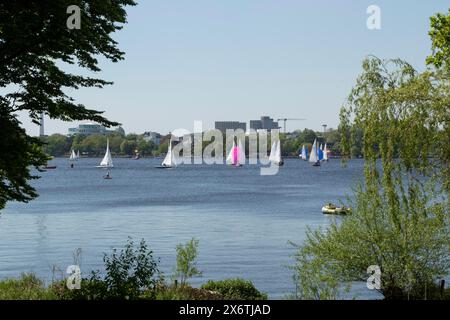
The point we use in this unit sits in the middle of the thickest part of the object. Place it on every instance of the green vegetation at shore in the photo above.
(58, 145)
(400, 223)
(133, 274)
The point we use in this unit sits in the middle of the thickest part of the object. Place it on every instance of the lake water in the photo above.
(242, 219)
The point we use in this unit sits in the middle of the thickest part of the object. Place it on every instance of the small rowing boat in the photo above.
(332, 209)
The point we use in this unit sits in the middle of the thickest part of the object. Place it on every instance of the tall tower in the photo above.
(41, 127)
(324, 128)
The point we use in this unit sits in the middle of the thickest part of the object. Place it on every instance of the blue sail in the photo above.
(320, 154)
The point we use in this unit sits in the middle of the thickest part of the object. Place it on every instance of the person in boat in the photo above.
(108, 175)
(71, 165)
(331, 206)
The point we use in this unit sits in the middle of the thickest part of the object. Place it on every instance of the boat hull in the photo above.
(337, 210)
(163, 167)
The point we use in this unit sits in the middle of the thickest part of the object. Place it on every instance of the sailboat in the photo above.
(320, 152)
(275, 154)
(325, 153)
(73, 156)
(107, 159)
(169, 161)
(314, 156)
(304, 154)
(236, 157)
(78, 154)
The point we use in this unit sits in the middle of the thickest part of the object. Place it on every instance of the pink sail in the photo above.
(235, 155)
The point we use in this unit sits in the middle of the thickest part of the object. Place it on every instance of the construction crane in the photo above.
(288, 119)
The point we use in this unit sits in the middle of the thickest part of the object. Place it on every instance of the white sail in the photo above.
(314, 157)
(275, 152)
(278, 152)
(78, 154)
(303, 156)
(241, 153)
(325, 153)
(73, 156)
(107, 159)
(272, 152)
(169, 160)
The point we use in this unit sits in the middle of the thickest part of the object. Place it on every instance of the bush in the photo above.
(130, 274)
(235, 289)
(27, 287)
(187, 261)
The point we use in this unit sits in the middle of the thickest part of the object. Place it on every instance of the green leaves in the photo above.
(19, 151)
(187, 261)
(440, 41)
(400, 219)
(35, 45)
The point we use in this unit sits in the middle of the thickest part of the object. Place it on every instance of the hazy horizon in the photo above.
(215, 60)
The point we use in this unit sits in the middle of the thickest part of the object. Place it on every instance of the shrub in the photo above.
(186, 261)
(235, 289)
(27, 287)
(130, 274)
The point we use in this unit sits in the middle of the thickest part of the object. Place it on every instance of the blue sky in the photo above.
(239, 59)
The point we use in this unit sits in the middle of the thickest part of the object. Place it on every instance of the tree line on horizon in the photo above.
(59, 145)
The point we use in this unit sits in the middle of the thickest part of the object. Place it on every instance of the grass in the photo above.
(27, 287)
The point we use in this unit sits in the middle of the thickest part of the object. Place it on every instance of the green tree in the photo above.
(145, 147)
(307, 136)
(400, 218)
(440, 41)
(19, 151)
(94, 144)
(162, 148)
(115, 140)
(187, 261)
(77, 141)
(128, 147)
(57, 145)
(35, 45)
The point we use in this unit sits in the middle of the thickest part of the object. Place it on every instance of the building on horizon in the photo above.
(150, 136)
(265, 123)
(89, 129)
(223, 126)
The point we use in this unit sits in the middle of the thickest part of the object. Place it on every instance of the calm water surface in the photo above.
(243, 220)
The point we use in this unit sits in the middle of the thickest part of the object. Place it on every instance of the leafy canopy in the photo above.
(35, 47)
(400, 219)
